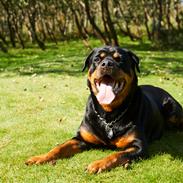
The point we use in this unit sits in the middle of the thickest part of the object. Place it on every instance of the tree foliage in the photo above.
(38, 21)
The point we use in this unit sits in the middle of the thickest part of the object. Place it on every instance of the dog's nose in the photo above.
(107, 63)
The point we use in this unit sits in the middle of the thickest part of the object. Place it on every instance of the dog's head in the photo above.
(111, 75)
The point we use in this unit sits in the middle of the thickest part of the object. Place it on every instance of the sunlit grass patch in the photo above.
(42, 102)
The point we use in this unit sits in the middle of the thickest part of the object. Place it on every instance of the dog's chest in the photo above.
(115, 127)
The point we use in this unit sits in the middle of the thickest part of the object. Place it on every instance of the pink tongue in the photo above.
(105, 94)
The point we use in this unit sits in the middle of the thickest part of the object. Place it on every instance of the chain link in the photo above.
(110, 125)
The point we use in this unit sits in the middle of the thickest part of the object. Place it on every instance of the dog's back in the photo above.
(170, 109)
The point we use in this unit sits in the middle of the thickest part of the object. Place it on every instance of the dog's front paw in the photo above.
(100, 166)
(39, 160)
(108, 163)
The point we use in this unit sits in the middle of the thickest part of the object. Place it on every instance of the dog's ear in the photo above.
(87, 61)
(135, 59)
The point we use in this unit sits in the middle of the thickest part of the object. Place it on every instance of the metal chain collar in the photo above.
(109, 126)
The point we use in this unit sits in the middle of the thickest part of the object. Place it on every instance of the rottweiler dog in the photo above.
(119, 113)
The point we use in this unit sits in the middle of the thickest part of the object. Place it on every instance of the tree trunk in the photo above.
(169, 24)
(110, 23)
(104, 19)
(146, 20)
(177, 18)
(92, 22)
(33, 29)
(126, 23)
(17, 30)
(9, 22)
(160, 16)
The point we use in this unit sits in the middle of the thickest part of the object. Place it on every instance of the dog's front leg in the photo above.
(121, 158)
(65, 150)
(109, 162)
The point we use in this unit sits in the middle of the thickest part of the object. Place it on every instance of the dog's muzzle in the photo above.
(107, 85)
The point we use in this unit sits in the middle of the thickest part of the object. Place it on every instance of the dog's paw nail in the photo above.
(53, 162)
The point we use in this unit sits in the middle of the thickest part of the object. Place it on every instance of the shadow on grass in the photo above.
(158, 65)
(171, 143)
(46, 62)
(147, 46)
(139, 46)
(67, 59)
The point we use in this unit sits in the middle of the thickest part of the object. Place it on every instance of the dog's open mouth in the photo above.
(108, 88)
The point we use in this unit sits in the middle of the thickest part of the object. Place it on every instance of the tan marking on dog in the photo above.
(116, 55)
(102, 54)
(64, 150)
(91, 78)
(89, 137)
(124, 141)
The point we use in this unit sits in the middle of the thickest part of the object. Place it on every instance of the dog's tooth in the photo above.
(122, 84)
(116, 85)
(97, 84)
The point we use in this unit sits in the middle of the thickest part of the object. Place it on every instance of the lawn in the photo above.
(42, 101)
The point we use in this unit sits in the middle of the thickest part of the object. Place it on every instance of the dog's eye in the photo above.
(102, 55)
(97, 59)
(116, 56)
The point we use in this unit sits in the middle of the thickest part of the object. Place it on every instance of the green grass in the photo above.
(41, 106)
